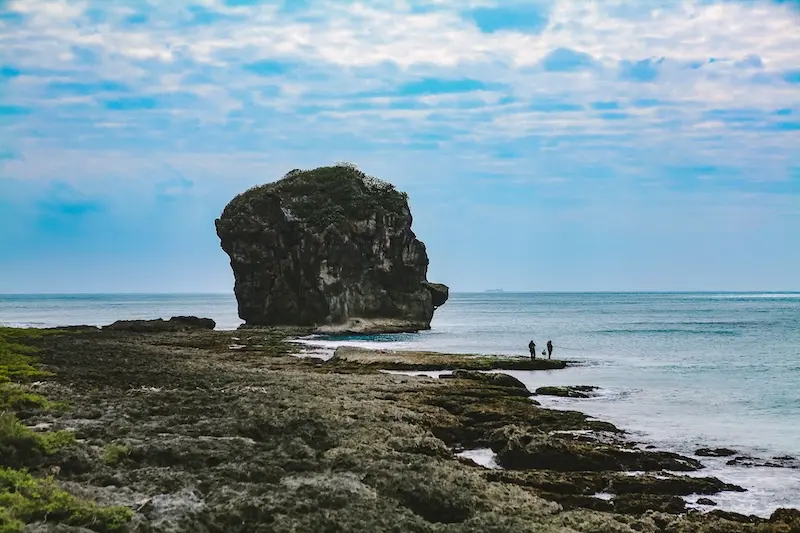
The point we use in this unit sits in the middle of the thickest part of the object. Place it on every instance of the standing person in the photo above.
(549, 349)
(532, 348)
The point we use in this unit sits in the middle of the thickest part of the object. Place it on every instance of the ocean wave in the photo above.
(683, 331)
(745, 296)
(26, 324)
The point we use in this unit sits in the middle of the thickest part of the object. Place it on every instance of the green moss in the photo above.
(326, 195)
(25, 499)
(114, 453)
(17, 362)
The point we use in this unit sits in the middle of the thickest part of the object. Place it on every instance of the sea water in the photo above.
(680, 371)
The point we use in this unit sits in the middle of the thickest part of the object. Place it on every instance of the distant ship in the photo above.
(495, 290)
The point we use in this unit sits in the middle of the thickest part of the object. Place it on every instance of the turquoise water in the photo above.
(678, 370)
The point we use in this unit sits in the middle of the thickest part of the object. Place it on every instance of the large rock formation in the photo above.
(330, 248)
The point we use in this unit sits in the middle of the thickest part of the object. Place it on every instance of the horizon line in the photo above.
(487, 291)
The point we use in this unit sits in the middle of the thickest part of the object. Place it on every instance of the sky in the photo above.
(546, 145)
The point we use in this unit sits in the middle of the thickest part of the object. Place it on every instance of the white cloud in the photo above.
(337, 51)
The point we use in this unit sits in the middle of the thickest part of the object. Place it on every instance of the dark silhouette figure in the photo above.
(532, 348)
(549, 349)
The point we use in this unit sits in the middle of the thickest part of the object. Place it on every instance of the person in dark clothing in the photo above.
(549, 349)
(532, 348)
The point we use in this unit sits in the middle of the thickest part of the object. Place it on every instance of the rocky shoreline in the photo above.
(227, 431)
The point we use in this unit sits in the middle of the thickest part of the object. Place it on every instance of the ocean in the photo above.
(678, 370)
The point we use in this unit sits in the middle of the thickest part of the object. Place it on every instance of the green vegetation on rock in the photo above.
(327, 195)
(17, 362)
(25, 499)
(114, 453)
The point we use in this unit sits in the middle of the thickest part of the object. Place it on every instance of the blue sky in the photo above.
(545, 144)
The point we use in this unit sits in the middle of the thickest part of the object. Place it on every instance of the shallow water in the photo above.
(682, 371)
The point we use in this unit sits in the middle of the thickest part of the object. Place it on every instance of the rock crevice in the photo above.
(330, 248)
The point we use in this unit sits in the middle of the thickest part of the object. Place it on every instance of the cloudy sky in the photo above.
(545, 144)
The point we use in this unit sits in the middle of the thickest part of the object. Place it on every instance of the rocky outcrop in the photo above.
(490, 378)
(176, 323)
(330, 248)
(574, 391)
(715, 452)
(518, 448)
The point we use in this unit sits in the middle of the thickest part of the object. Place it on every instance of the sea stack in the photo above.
(329, 248)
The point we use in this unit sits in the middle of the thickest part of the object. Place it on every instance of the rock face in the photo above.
(330, 248)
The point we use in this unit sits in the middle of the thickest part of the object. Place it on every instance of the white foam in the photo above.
(603, 496)
(482, 456)
(767, 488)
(737, 296)
(311, 349)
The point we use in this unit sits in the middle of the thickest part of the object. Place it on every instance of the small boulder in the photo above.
(715, 452)
(574, 391)
(496, 379)
(706, 501)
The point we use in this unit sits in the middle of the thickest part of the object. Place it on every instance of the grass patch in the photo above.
(114, 453)
(26, 499)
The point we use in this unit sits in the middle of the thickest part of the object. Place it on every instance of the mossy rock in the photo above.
(325, 196)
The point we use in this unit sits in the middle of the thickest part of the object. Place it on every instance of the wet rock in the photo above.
(715, 452)
(735, 517)
(776, 462)
(706, 501)
(520, 448)
(174, 324)
(591, 483)
(331, 248)
(670, 484)
(495, 379)
(574, 391)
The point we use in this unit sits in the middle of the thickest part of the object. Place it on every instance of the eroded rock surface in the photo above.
(193, 436)
(331, 248)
